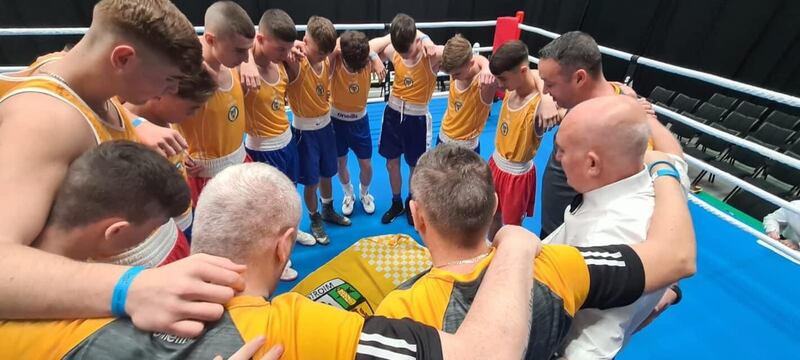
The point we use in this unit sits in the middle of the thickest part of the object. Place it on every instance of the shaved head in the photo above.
(603, 140)
(227, 18)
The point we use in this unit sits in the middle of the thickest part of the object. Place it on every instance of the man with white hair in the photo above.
(600, 146)
(304, 328)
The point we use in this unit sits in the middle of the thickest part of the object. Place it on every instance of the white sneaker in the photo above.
(347, 205)
(368, 202)
(304, 238)
(288, 274)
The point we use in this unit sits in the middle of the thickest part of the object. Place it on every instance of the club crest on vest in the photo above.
(276, 104)
(458, 105)
(408, 81)
(504, 128)
(233, 113)
(341, 294)
(353, 88)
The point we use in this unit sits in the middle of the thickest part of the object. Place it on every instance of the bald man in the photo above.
(600, 146)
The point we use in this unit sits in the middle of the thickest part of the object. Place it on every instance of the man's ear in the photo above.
(116, 228)
(122, 56)
(210, 38)
(580, 76)
(283, 247)
(418, 216)
(594, 164)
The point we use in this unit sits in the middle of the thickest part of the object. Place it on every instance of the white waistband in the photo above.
(407, 108)
(347, 115)
(511, 167)
(185, 220)
(259, 143)
(469, 143)
(315, 123)
(152, 251)
(212, 167)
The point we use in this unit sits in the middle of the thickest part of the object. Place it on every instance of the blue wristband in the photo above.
(121, 291)
(138, 121)
(667, 172)
(660, 162)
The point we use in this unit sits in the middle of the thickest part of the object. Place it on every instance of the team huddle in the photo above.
(168, 189)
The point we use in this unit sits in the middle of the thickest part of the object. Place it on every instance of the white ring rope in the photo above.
(539, 31)
(446, 24)
(723, 82)
(43, 31)
(200, 29)
(694, 74)
(4, 69)
(743, 184)
(788, 160)
(784, 251)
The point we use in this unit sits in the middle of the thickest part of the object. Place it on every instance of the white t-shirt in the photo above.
(617, 213)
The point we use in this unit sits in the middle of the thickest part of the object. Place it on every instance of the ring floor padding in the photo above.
(744, 302)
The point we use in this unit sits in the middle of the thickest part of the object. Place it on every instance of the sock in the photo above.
(364, 189)
(348, 189)
(326, 201)
(312, 213)
(396, 197)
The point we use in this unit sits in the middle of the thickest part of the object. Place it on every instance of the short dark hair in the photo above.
(323, 32)
(574, 50)
(355, 49)
(228, 18)
(402, 32)
(278, 23)
(119, 178)
(508, 56)
(454, 187)
(198, 87)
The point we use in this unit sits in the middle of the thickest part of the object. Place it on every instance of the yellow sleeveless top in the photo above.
(265, 109)
(217, 128)
(350, 90)
(9, 80)
(466, 112)
(309, 93)
(414, 83)
(517, 138)
(102, 130)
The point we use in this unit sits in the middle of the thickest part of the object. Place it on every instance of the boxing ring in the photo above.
(739, 305)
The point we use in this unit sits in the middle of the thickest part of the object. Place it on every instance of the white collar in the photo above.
(602, 196)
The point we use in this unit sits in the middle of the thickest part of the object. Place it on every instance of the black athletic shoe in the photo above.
(318, 229)
(408, 212)
(331, 216)
(393, 212)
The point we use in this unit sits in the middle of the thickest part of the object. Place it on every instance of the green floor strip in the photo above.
(732, 211)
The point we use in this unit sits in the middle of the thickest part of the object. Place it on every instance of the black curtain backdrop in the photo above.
(756, 42)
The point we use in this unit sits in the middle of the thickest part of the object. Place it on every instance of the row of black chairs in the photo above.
(719, 105)
(777, 131)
